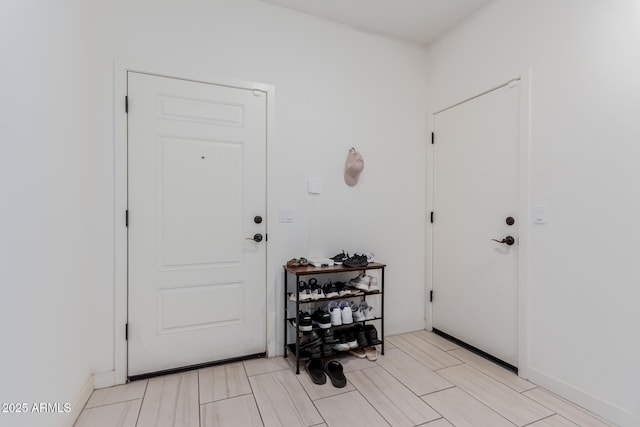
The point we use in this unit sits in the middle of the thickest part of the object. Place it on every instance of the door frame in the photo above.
(121, 68)
(524, 196)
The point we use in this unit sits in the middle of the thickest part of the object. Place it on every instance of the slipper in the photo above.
(333, 369)
(371, 353)
(314, 368)
(359, 353)
(293, 262)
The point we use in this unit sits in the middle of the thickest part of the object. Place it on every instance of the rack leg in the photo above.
(286, 312)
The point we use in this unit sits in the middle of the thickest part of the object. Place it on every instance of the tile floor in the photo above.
(422, 380)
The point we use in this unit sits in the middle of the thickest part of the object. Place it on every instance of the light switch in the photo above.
(315, 185)
(285, 215)
(539, 214)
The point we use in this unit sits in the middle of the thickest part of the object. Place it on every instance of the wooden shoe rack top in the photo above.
(300, 272)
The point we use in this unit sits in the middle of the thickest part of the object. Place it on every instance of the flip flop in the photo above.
(303, 261)
(293, 262)
(314, 368)
(333, 369)
(371, 353)
(359, 353)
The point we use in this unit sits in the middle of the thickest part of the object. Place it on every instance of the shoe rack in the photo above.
(292, 308)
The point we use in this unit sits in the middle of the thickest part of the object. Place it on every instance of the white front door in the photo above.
(196, 180)
(475, 279)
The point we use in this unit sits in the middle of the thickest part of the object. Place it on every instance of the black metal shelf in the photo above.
(299, 272)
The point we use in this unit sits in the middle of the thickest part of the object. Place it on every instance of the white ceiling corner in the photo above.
(416, 21)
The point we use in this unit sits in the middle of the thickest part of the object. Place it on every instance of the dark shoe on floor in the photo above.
(314, 368)
(333, 369)
(339, 259)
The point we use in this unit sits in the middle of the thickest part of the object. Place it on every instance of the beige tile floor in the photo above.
(422, 380)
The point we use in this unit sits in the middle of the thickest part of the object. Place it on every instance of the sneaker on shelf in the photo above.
(304, 320)
(373, 285)
(343, 289)
(303, 292)
(372, 335)
(330, 290)
(336, 314)
(367, 255)
(315, 290)
(361, 336)
(342, 344)
(365, 308)
(351, 340)
(311, 339)
(327, 336)
(339, 259)
(361, 282)
(326, 349)
(358, 315)
(321, 318)
(313, 352)
(356, 261)
(347, 314)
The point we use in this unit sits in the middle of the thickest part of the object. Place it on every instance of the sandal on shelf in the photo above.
(333, 369)
(303, 261)
(293, 262)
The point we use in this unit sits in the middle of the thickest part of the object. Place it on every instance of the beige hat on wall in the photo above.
(353, 167)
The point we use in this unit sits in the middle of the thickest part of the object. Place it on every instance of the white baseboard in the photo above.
(78, 405)
(104, 379)
(602, 408)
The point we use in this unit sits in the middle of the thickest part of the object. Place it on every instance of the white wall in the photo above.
(582, 290)
(46, 187)
(335, 88)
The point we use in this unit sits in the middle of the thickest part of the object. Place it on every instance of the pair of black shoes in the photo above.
(366, 336)
(318, 342)
(319, 372)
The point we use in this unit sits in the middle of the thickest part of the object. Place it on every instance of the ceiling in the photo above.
(416, 21)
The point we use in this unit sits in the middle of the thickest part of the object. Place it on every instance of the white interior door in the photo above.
(196, 180)
(475, 279)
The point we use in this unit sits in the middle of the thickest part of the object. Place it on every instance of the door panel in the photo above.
(197, 164)
(476, 160)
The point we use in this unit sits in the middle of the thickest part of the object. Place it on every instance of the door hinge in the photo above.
(126, 332)
(430, 296)
(431, 217)
(126, 218)
(433, 137)
(126, 104)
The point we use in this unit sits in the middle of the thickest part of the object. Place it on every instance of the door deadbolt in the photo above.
(257, 219)
(510, 220)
